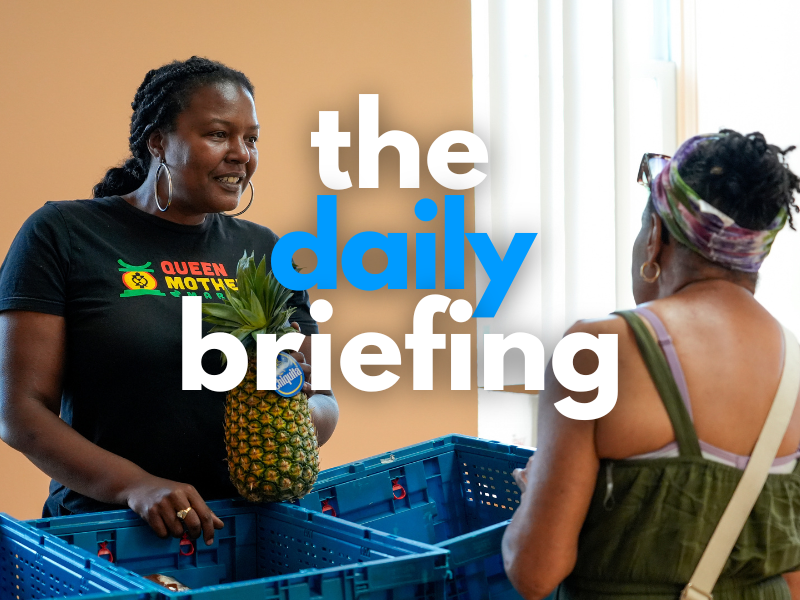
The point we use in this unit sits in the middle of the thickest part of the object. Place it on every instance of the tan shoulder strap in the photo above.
(755, 475)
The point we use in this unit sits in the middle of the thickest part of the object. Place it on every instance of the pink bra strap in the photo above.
(665, 341)
(667, 347)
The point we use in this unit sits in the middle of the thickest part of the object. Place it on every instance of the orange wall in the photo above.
(69, 72)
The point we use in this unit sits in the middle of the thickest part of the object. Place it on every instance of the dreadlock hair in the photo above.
(744, 177)
(162, 96)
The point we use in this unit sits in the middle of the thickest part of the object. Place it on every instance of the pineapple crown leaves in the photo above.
(258, 305)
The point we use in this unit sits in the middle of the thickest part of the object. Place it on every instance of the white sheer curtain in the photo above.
(544, 104)
(568, 94)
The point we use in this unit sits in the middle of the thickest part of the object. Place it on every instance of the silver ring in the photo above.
(252, 195)
(169, 182)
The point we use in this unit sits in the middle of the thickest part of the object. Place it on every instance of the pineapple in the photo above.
(270, 440)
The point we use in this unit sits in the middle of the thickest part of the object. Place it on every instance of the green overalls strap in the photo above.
(657, 365)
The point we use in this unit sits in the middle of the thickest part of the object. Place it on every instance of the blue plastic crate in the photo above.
(265, 552)
(456, 492)
(33, 565)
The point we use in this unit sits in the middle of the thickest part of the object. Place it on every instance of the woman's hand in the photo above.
(158, 502)
(322, 403)
(300, 357)
(521, 476)
(31, 368)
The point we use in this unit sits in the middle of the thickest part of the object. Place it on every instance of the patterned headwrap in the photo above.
(703, 228)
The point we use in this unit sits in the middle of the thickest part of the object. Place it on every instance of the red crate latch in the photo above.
(396, 487)
(185, 541)
(104, 551)
(326, 507)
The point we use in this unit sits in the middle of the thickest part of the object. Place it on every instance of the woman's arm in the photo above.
(541, 543)
(793, 581)
(32, 347)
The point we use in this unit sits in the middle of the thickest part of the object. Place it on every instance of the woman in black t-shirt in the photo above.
(75, 342)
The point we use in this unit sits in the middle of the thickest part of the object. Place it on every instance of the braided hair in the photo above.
(744, 177)
(162, 96)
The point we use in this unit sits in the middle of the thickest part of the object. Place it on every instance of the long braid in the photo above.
(163, 94)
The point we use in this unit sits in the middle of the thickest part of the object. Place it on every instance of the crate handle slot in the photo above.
(185, 541)
(326, 507)
(104, 551)
(396, 487)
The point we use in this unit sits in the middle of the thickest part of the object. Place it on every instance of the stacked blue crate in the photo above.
(33, 565)
(456, 492)
(265, 552)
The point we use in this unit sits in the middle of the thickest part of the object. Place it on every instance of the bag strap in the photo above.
(755, 475)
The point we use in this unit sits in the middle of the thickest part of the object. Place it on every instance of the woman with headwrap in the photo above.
(624, 506)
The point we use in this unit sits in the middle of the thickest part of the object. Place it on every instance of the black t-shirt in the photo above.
(117, 274)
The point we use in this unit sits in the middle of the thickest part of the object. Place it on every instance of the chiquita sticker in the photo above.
(290, 377)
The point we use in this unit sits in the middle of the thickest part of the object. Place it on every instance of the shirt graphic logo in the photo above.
(138, 280)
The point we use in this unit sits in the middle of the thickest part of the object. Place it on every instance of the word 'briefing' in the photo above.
(422, 341)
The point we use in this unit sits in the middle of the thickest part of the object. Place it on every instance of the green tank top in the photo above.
(650, 519)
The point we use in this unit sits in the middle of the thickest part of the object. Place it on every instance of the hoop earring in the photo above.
(169, 182)
(654, 277)
(252, 195)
